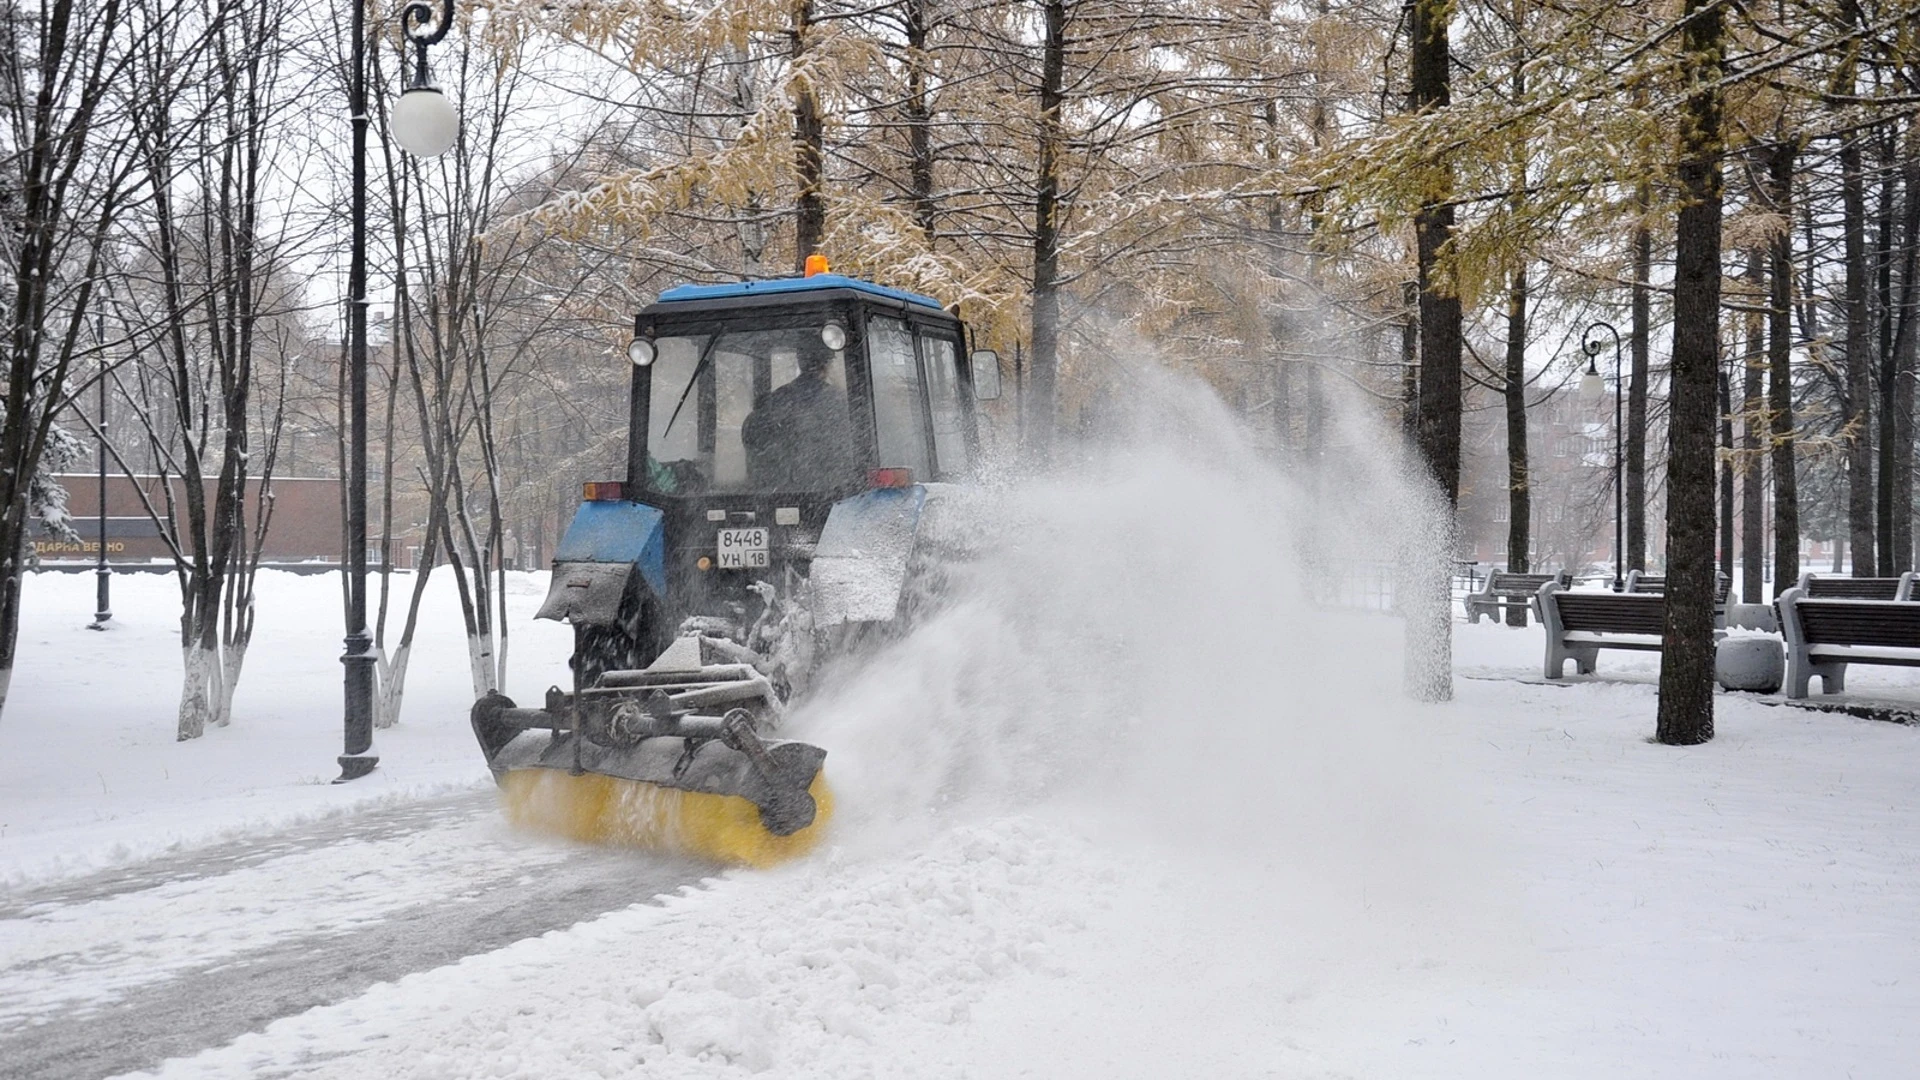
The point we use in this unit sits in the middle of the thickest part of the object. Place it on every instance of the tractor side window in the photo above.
(899, 422)
(943, 394)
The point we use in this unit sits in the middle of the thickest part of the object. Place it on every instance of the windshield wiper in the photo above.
(700, 366)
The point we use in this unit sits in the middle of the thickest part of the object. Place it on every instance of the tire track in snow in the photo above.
(119, 971)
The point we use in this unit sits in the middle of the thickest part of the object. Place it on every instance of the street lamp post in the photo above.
(424, 124)
(103, 611)
(1591, 387)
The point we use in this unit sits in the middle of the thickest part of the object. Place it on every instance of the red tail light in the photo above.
(890, 478)
(601, 491)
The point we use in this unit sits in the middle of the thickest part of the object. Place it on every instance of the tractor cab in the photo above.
(759, 409)
(800, 386)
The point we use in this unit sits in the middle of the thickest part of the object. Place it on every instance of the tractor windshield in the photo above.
(752, 411)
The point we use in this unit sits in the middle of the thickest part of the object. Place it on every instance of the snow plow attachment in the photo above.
(664, 759)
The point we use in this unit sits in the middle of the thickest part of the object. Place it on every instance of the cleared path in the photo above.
(119, 971)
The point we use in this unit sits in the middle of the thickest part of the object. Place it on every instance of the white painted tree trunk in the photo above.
(234, 659)
(392, 673)
(200, 692)
(480, 661)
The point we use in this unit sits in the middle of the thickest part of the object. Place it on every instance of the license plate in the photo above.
(742, 549)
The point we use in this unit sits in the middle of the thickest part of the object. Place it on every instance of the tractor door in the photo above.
(923, 418)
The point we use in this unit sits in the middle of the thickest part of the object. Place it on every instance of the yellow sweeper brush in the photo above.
(608, 810)
(648, 759)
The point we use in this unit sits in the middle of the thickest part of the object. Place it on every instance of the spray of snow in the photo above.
(1141, 636)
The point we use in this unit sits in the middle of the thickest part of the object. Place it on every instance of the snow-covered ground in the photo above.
(91, 775)
(1127, 808)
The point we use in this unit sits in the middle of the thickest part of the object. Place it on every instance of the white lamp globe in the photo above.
(1592, 386)
(424, 122)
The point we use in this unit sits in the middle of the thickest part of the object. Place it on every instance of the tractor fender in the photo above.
(603, 547)
(860, 563)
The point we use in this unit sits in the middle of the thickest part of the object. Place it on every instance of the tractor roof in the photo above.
(793, 285)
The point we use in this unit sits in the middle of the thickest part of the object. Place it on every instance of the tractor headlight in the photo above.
(640, 351)
(833, 336)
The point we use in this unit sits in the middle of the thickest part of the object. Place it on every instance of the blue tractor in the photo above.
(791, 443)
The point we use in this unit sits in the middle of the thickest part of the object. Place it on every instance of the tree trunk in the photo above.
(809, 148)
(1439, 302)
(1752, 490)
(1519, 495)
(199, 690)
(1857, 405)
(1786, 485)
(391, 686)
(1046, 233)
(1686, 663)
(1410, 363)
(1637, 393)
(1430, 634)
(13, 578)
(1885, 381)
(1905, 338)
(1514, 384)
(1726, 469)
(919, 120)
(1282, 377)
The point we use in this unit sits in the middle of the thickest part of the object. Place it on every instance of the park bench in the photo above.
(1505, 590)
(1825, 635)
(1639, 581)
(1838, 587)
(1580, 624)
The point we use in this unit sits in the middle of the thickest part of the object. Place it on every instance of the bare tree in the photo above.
(68, 171)
(215, 284)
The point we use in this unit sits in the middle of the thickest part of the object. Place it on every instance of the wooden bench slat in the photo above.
(1860, 622)
(1621, 613)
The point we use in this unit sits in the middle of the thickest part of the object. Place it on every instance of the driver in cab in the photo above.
(798, 436)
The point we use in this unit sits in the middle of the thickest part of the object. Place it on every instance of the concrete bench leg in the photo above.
(1583, 657)
(1800, 673)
